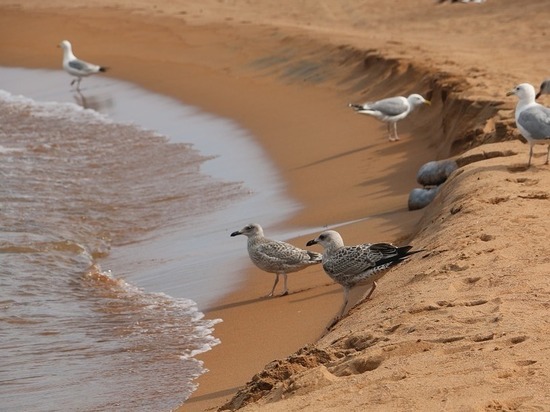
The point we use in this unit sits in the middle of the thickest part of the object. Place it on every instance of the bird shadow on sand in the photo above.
(213, 395)
(317, 295)
(237, 304)
(338, 156)
(263, 298)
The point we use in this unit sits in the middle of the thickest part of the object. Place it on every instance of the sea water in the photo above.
(116, 206)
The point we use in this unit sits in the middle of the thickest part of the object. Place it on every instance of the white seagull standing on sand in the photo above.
(391, 110)
(532, 119)
(274, 256)
(544, 88)
(76, 67)
(352, 265)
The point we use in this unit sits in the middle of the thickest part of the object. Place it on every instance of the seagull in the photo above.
(532, 119)
(391, 110)
(274, 256)
(544, 88)
(76, 67)
(352, 265)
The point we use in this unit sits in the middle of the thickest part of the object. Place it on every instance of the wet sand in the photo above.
(287, 80)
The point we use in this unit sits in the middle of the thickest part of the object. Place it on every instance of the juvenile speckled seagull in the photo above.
(391, 110)
(274, 256)
(76, 67)
(352, 265)
(532, 119)
(544, 88)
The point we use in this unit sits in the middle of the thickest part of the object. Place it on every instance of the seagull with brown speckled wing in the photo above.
(352, 265)
(274, 256)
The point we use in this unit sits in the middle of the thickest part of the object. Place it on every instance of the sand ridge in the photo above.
(459, 328)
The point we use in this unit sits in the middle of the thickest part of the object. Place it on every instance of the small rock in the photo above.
(420, 198)
(436, 172)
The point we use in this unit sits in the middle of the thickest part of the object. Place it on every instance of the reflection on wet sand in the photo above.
(99, 102)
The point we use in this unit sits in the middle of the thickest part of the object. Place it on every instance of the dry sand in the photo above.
(461, 327)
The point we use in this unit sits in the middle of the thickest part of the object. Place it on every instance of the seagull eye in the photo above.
(322, 237)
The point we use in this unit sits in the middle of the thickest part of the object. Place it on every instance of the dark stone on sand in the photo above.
(436, 172)
(420, 198)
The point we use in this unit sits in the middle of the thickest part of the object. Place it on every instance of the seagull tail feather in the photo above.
(401, 253)
(404, 252)
(356, 106)
(315, 257)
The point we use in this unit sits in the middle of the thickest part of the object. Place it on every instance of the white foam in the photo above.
(7, 150)
(71, 111)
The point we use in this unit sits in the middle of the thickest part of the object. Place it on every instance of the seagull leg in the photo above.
(275, 284)
(392, 131)
(547, 155)
(530, 155)
(78, 83)
(346, 298)
(342, 309)
(285, 289)
(395, 136)
(369, 293)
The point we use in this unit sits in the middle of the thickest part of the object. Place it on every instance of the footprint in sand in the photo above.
(524, 181)
(357, 365)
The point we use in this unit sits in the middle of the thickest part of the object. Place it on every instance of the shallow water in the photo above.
(114, 222)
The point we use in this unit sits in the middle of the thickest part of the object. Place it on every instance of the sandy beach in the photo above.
(461, 326)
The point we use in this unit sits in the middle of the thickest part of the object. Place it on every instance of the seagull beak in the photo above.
(427, 102)
(511, 92)
(311, 242)
(237, 233)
